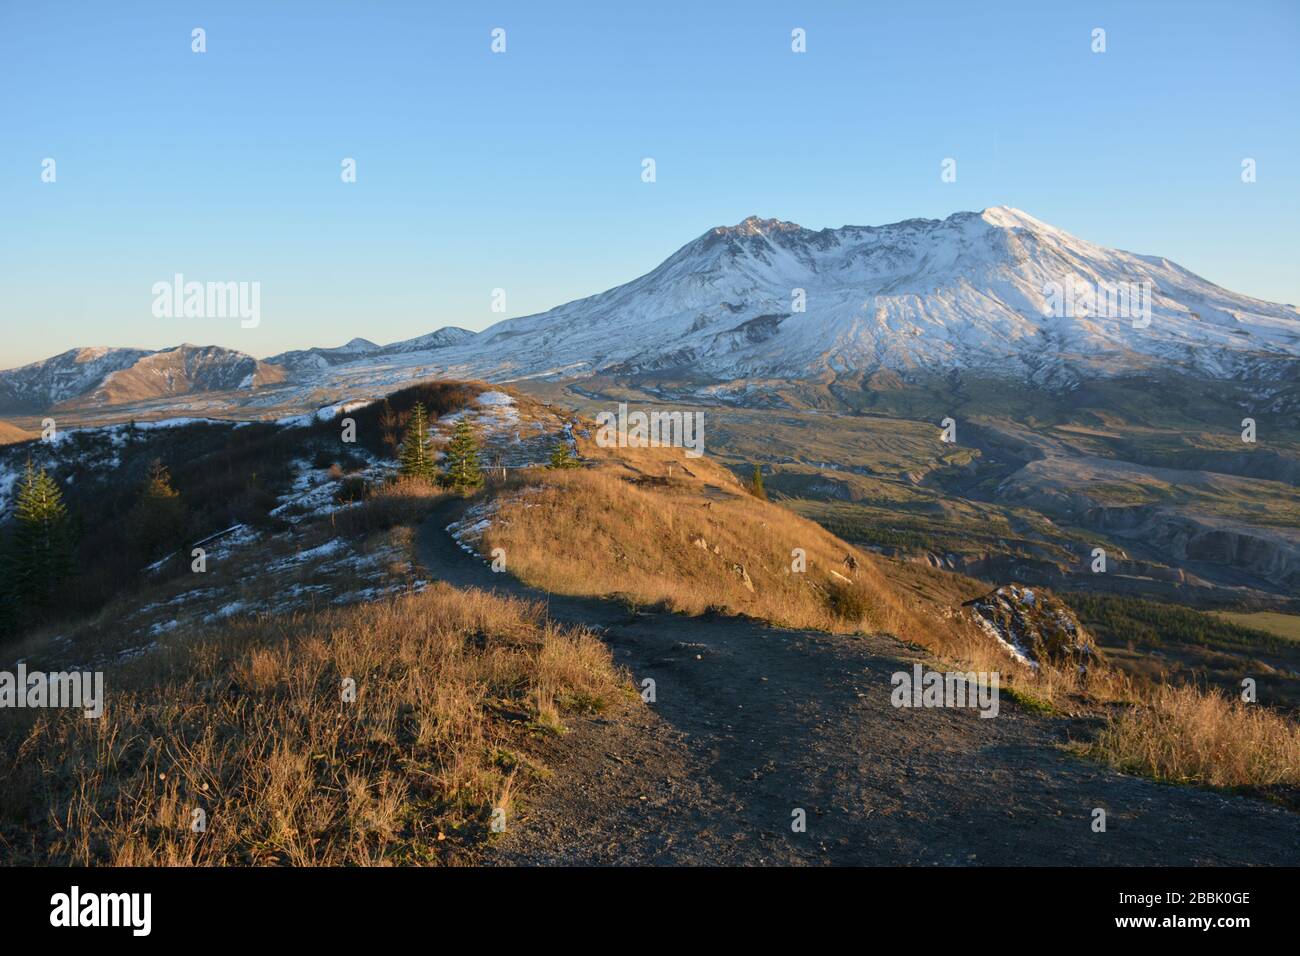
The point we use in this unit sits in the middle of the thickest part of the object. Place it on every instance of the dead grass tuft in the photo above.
(1189, 735)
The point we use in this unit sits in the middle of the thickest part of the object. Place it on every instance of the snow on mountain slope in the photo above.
(104, 376)
(183, 370)
(62, 377)
(970, 291)
(316, 359)
(442, 338)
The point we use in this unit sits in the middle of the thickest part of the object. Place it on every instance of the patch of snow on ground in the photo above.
(332, 546)
(495, 412)
(296, 421)
(314, 491)
(178, 423)
(328, 413)
(225, 611)
(237, 537)
(469, 530)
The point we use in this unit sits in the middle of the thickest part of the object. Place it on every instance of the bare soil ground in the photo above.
(751, 723)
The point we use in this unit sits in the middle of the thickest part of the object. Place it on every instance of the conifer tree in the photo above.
(562, 455)
(461, 469)
(159, 518)
(415, 458)
(756, 487)
(41, 557)
(388, 424)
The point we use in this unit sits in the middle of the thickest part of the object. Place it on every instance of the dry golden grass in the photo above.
(681, 543)
(250, 726)
(1190, 735)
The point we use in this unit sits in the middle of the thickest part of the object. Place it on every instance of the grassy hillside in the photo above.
(656, 528)
(1035, 480)
(247, 723)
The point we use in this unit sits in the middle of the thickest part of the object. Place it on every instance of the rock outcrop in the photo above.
(1034, 626)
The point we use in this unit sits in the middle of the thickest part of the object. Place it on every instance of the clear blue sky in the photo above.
(523, 170)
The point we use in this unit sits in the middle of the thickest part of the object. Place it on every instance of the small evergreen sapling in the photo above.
(562, 455)
(41, 556)
(159, 518)
(415, 458)
(461, 471)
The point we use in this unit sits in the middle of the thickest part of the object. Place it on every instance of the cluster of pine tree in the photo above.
(415, 459)
(38, 555)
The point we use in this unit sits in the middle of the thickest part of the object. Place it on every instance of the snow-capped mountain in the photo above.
(108, 376)
(300, 360)
(992, 291)
(445, 337)
(997, 293)
(315, 359)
